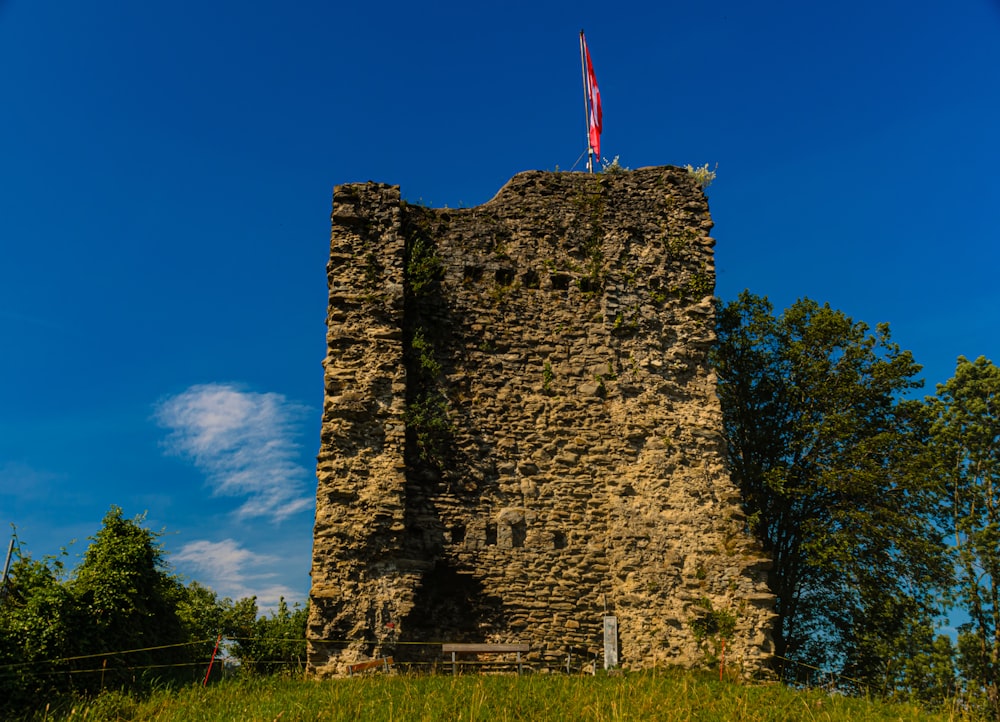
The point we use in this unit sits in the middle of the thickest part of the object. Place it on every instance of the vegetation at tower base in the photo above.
(966, 435)
(837, 479)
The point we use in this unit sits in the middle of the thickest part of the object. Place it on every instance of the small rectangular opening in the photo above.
(560, 281)
(559, 540)
(518, 533)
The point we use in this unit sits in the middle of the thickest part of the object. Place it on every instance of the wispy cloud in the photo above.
(244, 442)
(235, 572)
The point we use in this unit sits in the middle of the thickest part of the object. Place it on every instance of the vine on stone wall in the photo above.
(710, 627)
(548, 375)
(592, 205)
(428, 423)
(424, 270)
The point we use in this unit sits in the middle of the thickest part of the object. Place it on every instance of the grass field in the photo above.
(646, 696)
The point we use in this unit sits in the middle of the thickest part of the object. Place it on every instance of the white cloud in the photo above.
(244, 443)
(234, 571)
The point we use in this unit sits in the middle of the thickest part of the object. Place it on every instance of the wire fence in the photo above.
(814, 677)
(113, 663)
(199, 671)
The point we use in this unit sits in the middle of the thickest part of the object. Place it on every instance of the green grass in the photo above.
(647, 696)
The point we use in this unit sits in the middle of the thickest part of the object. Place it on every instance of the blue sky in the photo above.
(165, 181)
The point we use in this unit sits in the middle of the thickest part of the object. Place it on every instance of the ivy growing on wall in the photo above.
(428, 423)
(592, 206)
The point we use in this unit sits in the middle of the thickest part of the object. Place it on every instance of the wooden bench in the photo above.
(383, 662)
(483, 648)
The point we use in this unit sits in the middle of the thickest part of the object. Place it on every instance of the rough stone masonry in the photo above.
(521, 432)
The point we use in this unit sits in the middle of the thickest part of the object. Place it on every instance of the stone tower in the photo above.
(521, 432)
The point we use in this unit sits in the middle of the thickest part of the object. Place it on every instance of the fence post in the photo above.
(216, 649)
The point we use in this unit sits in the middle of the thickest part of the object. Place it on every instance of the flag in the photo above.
(594, 103)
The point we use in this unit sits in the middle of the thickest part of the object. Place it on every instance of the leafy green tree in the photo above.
(905, 657)
(39, 621)
(929, 673)
(967, 443)
(200, 613)
(835, 478)
(130, 602)
(275, 643)
(204, 618)
(122, 621)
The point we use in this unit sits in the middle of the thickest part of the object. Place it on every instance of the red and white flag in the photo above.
(594, 103)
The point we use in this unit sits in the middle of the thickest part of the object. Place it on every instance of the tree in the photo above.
(967, 443)
(130, 602)
(275, 643)
(834, 474)
(121, 620)
(39, 621)
(928, 673)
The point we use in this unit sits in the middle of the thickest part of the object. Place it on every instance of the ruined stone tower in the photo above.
(521, 432)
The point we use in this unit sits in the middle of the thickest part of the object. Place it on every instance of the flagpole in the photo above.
(586, 107)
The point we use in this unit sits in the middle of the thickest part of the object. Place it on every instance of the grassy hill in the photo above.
(670, 695)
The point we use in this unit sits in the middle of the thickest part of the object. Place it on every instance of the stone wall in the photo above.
(521, 432)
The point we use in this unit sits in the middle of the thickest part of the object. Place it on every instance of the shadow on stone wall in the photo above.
(450, 603)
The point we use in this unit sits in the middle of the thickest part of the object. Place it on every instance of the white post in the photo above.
(610, 642)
